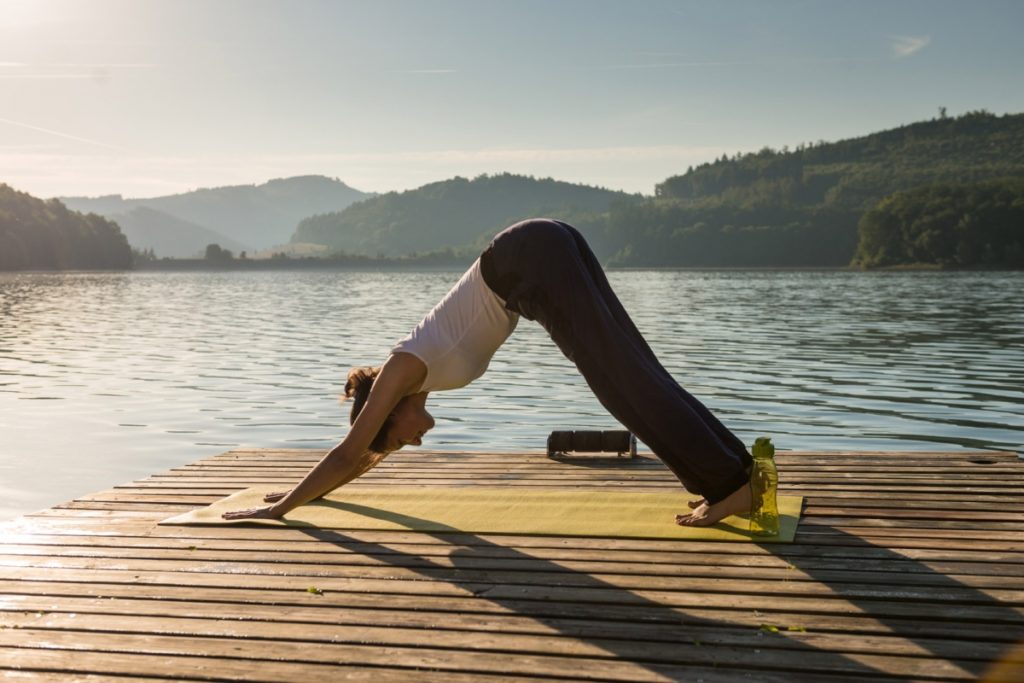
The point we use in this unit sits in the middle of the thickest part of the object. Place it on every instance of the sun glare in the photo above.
(21, 13)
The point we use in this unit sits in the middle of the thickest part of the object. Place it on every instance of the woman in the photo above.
(543, 270)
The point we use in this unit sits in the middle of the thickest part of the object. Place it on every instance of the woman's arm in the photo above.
(401, 375)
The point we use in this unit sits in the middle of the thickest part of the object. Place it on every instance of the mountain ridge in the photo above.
(254, 215)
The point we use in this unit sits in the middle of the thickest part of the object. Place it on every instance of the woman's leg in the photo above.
(619, 312)
(546, 271)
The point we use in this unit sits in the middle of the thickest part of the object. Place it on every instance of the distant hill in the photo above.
(253, 216)
(169, 236)
(44, 235)
(802, 207)
(453, 214)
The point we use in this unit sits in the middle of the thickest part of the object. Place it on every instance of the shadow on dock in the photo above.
(958, 641)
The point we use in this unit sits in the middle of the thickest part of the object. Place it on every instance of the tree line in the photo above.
(950, 225)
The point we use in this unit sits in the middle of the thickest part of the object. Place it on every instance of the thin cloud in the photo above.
(670, 65)
(28, 147)
(23, 71)
(792, 61)
(57, 133)
(663, 54)
(36, 77)
(424, 71)
(904, 46)
(80, 65)
(104, 65)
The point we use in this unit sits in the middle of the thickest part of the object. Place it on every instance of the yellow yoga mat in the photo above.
(504, 510)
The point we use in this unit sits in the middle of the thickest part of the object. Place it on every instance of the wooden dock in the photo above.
(905, 566)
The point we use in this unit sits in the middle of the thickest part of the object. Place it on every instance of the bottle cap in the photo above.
(763, 447)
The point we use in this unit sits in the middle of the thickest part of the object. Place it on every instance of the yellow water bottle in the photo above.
(764, 485)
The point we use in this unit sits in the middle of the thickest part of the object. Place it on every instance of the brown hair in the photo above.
(357, 388)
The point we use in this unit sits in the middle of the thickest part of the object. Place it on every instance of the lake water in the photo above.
(105, 378)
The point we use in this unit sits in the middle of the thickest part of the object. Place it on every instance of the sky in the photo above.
(152, 97)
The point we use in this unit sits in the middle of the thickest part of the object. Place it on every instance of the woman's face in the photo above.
(409, 422)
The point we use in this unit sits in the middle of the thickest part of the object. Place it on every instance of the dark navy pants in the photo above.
(545, 271)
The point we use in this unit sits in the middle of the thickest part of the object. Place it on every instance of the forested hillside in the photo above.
(961, 225)
(856, 173)
(457, 213)
(802, 207)
(45, 235)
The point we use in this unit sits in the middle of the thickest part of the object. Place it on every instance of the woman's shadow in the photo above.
(874, 611)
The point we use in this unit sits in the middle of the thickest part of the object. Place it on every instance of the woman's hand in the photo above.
(274, 497)
(252, 513)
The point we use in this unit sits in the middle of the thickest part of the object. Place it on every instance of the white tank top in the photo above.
(457, 339)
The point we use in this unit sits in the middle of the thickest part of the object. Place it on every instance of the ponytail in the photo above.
(357, 387)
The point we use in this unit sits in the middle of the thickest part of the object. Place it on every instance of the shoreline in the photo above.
(250, 265)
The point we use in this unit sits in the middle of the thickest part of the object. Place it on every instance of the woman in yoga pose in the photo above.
(542, 270)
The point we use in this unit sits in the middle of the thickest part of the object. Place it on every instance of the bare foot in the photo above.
(694, 504)
(706, 514)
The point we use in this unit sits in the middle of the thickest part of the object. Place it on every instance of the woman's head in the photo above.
(406, 424)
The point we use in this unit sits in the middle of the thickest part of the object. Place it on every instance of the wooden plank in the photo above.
(971, 606)
(41, 664)
(569, 558)
(605, 664)
(178, 559)
(186, 668)
(37, 676)
(907, 564)
(482, 615)
(442, 634)
(849, 584)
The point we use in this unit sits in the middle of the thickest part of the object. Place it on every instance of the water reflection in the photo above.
(108, 377)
